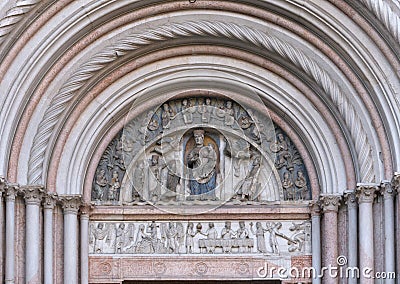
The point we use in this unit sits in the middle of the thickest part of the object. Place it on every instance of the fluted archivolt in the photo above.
(201, 28)
(15, 15)
(386, 15)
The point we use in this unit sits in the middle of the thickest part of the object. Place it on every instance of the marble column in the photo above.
(366, 196)
(330, 206)
(85, 210)
(33, 197)
(316, 239)
(11, 193)
(388, 197)
(3, 185)
(70, 204)
(49, 202)
(351, 202)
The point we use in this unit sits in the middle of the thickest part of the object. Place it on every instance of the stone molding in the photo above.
(71, 203)
(14, 15)
(330, 202)
(32, 194)
(366, 193)
(386, 15)
(350, 199)
(216, 29)
(50, 200)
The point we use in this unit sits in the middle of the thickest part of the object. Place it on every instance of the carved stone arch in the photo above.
(214, 29)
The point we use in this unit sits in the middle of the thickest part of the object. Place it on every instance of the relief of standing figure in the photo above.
(190, 234)
(259, 233)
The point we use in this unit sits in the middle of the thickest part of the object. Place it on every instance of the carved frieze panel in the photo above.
(180, 267)
(200, 150)
(268, 237)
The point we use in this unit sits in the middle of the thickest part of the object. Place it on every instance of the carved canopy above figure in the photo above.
(200, 151)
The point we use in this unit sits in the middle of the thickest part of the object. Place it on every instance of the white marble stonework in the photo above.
(261, 237)
(198, 140)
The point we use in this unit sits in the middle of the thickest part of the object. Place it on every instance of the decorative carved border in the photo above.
(382, 10)
(14, 15)
(201, 28)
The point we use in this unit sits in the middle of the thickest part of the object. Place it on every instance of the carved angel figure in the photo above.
(123, 237)
(100, 237)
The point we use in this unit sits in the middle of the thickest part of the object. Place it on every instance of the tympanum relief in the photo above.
(197, 151)
(267, 237)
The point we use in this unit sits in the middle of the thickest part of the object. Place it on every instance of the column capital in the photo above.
(71, 203)
(85, 209)
(50, 200)
(33, 194)
(3, 184)
(315, 207)
(350, 198)
(11, 191)
(330, 202)
(387, 190)
(396, 182)
(366, 192)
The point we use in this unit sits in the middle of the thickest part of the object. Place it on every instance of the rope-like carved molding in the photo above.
(201, 28)
(382, 10)
(15, 15)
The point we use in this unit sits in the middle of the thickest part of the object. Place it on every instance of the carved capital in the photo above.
(85, 209)
(330, 202)
(3, 186)
(366, 193)
(71, 203)
(11, 191)
(396, 182)
(33, 194)
(350, 199)
(387, 190)
(50, 200)
(315, 207)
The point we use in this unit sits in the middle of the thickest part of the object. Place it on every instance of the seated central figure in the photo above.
(202, 160)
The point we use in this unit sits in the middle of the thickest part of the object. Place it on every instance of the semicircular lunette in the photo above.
(200, 151)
